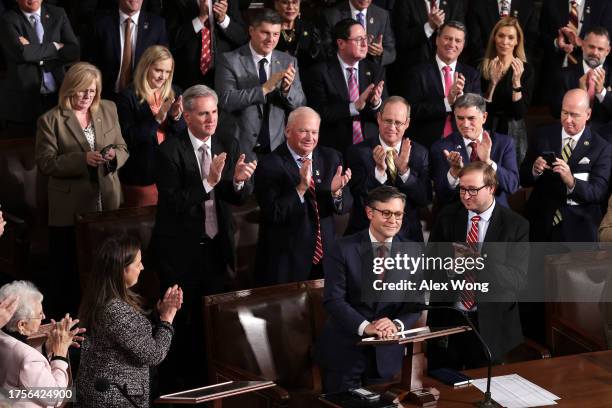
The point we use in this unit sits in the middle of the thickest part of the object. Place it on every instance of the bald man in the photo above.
(299, 187)
(568, 167)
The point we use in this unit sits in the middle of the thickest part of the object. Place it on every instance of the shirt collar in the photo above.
(296, 156)
(387, 147)
(344, 65)
(442, 64)
(467, 141)
(354, 11)
(576, 138)
(586, 67)
(374, 241)
(258, 57)
(197, 143)
(27, 15)
(485, 215)
(123, 17)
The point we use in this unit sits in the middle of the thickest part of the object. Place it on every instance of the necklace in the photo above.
(288, 35)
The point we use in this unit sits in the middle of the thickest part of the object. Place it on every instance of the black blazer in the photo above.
(417, 187)
(306, 46)
(426, 96)
(327, 93)
(20, 89)
(139, 130)
(482, 16)
(104, 46)
(505, 270)
(187, 44)
(287, 232)
(85, 12)
(180, 215)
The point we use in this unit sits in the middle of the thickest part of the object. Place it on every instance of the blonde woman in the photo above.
(80, 148)
(507, 80)
(150, 111)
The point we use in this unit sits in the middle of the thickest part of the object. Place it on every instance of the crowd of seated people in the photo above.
(303, 108)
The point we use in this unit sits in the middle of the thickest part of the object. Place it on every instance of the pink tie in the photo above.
(448, 84)
(591, 86)
(353, 96)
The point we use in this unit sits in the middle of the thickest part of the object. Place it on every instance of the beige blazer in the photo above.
(605, 228)
(61, 149)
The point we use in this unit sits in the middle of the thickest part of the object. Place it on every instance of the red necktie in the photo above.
(468, 297)
(353, 96)
(318, 252)
(448, 84)
(206, 54)
(474, 153)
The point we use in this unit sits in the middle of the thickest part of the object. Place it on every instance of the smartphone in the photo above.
(550, 158)
(106, 149)
(365, 394)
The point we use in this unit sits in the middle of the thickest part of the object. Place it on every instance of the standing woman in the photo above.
(124, 339)
(508, 81)
(79, 147)
(150, 111)
(298, 37)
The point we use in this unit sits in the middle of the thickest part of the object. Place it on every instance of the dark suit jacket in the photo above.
(180, 214)
(287, 231)
(25, 64)
(104, 47)
(505, 270)
(502, 153)
(569, 79)
(306, 46)
(426, 96)
(378, 22)
(417, 187)
(481, 17)
(580, 222)
(327, 93)
(86, 12)
(187, 44)
(349, 261)
(139, 129)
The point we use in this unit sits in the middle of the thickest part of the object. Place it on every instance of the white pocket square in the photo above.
(584, 160)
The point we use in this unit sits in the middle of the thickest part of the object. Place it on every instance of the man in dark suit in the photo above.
(346, 89)
(482, 15)
(374, 20)
(199, 173)
(191, 23)
(351, 313)
(568, 167)
(394, 161)
(107, 48)
(435, 86)
(472, 143)
(37, 42)
(85, 12)
(415, 24)
(591, 74)
(299, 187)
(497, 237)
(259, 85)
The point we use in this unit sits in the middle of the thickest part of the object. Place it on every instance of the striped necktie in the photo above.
(468, 297)
(566, 153)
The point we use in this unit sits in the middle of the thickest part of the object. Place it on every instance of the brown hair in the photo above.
(77, 79)
(489, 176)
(491, 51)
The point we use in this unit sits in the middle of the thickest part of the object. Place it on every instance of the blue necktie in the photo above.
(360, 19)
(48, 82)
(263, 139)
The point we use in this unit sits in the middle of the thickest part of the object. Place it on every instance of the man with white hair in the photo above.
(299, 187)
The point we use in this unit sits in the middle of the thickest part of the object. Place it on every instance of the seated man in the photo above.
(346, 365)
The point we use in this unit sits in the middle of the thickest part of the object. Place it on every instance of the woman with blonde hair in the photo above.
(80, 148)
(507, 80)
(150, 111)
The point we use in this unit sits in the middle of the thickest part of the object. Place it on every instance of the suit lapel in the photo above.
(460, 230)
(492, 11)
(246, 58)
(143, 32)
(116, 42)
(372, 22)
(435, 78)
(100, 136)
(290, 165)
(72, 124)
(585, 17)
(338, 78)
(189, 155)
(581, 148)
(318, 168)
(46, 20)
(365, 77)
(495, 226)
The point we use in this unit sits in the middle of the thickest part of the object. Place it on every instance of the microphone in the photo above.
(102, 385)
(487, 402)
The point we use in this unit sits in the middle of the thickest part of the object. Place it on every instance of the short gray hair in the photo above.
(28, 294)
(470, 100)
(197, 91)
(302, 110)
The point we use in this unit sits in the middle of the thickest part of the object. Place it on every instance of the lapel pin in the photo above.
(371, 20)
(145, 25)
(317, 174)
(586, 143)
(515, 14)
(458, 147)
(46, 16)
(588, 10)
(318, 181)
(277, 62)
(444, 3)
(368, 73)
(305, 33)
(98, 120)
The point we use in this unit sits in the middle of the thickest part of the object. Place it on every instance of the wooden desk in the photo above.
(581, 380)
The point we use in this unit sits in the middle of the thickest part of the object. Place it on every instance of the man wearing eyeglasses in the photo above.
(390, 160)
(472, 143)
(350, 315)
(347, 90)
(476, 226)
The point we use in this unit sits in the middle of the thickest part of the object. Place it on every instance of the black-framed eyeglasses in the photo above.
(388, 213)
(471, 191)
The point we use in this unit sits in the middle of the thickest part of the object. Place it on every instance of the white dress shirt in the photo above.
(258, 57)
(197, 23)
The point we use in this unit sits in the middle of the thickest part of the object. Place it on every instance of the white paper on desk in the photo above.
(514, 391)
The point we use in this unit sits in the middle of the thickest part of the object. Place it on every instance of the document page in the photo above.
(514, 391)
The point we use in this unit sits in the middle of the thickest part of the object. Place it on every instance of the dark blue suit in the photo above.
(502, 153)
(417, 187)
(426, 97)
(287, 231)
(580, 222)
(104, 47)
(348, 262)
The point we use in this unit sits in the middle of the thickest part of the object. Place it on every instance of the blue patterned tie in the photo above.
(360, 19)
(48, 82)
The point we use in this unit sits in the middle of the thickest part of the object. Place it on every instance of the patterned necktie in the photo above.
(474, 153)
(574, 19)
(591, 87)
(566, 153)
(211, 226)
(448, 84)
(48, 84)
(318, 252)
(206, 54)
(391, 164)
(505, 9)
(125, 75)
(353, 96)
(468, 297)
(263, 140)
(361, 19)
(382, 252)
